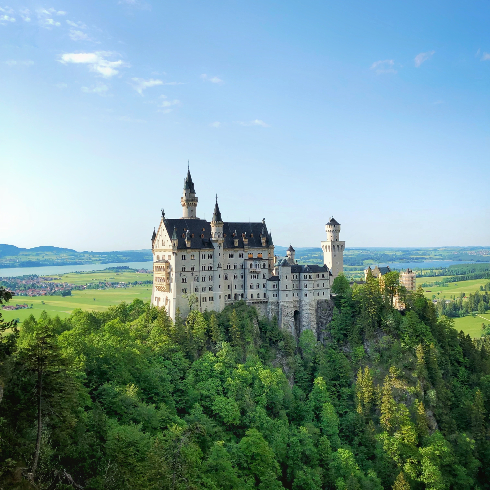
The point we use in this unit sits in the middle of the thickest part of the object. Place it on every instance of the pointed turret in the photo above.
(153, 236)
(216, 213)
(217, 223)
(189, 198)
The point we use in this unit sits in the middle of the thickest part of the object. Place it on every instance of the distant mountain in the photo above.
(12, 250)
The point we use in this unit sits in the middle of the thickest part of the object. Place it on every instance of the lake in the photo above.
(64, 269)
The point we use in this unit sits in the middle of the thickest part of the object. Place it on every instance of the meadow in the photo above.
(452, 288)
(472, 325)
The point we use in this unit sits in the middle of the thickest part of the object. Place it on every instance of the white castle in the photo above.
(207, 265)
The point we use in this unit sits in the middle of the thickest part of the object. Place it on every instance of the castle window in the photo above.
(251, 296)
(265, 295)
(211, 298)
(251, 265)
(263, 265)
(286, 286)
(259, 256)
(230, 256)
(210, 288)
(210, 267)
(210, 278)
(204, 300)
(183, 268)
(226, 277)
(323, 276)
(305, 286)
(229, 286)
(234, 276)
(203, 256)
(203, 278)
(184, 290)
(242, 295)
(286, 295)
(184, 279)
(306, 294)
(286, 277)
(240, 256)
(234, 266)
(183, 257)
(196, 290)
(228, 266)
(323, 284)
(258, 286)
(310, 277)
(210, 256)
(203, 289)
(241, 276)
(263, 285)
(192, 269)
(251, 286)
(203, 267)
(193, 257)
(250, 256)
(323, 293)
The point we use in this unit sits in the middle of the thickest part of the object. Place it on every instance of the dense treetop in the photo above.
(131, 400)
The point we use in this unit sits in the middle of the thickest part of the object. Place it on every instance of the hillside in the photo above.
(132, 400)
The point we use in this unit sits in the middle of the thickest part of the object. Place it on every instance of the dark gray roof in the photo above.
(217, 213)
(333, 222)
(200, 232)
(384, 270)
(291, 249)
(188, 184)
(273, 278)
(310, 268)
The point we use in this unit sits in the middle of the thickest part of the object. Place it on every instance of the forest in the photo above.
(128, 399)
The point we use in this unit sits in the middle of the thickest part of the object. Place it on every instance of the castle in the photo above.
(207, 265)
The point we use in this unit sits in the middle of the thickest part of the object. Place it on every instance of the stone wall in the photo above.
(324, 315)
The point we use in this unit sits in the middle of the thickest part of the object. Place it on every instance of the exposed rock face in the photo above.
(324, 315)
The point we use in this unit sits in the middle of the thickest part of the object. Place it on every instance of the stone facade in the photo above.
(206, 265)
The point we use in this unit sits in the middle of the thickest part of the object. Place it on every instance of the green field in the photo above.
(100, 276)
(89, 299)
(452, 289)
(471, 325)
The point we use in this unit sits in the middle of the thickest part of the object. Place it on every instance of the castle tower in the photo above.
(290, 255)
(333, 248)
(217, 239)
(189, 199)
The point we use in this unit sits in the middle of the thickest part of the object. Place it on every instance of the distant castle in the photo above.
(207, 265)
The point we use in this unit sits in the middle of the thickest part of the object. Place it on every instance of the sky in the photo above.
(376, 113)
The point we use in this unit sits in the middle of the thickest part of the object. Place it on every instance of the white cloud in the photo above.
(99, 89)
(173, 83)
(211, 79)
(421, 57)
(25, 14)
(61, 85)
(7, 10)
(216, 124)
(383, 66)
(78, 25)
(140, 84)
(19, 63)
(485, 57)
(97, 62)
(5, 19)
(46, 19)
(165, 105)
(78, 35)
(255, 122)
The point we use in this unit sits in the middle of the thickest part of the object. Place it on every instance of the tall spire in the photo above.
(188, 184)
(217, 213)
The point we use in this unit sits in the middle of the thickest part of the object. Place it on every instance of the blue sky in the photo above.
(374, 112)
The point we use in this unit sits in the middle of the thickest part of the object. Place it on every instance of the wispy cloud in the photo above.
(19, 62)
(173, 83)
(46, 17)
(140, 84)
(211, 79)
(97, 62)
(255, 122)
(166, 105)
(61, 85)
(99, 89)
(421, 57)
(215, 124)
(6, 15)
(25, 15)
(77, 25)
(485, 57)
(78, 35)
(383, 66)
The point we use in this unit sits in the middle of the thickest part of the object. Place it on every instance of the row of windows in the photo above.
(257, 286)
